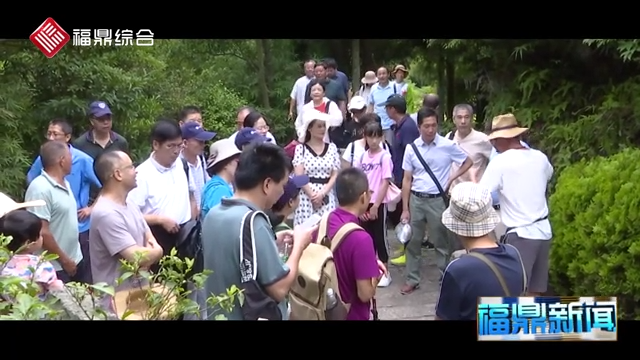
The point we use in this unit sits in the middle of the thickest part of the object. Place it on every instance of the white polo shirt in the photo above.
(163, 191)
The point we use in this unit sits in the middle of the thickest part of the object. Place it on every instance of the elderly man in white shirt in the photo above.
(296, 98)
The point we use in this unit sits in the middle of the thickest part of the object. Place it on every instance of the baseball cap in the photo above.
(99, 109)
(357, 103)
(394, 100)
(292, 188)
(193, 130)
(247, 136)
(7, 204)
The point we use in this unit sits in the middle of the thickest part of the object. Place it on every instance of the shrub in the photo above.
(596, 245)
(21, 302)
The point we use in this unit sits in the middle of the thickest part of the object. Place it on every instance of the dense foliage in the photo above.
(578, 96)
(596, 248)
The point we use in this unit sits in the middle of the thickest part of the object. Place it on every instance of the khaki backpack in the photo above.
(316, 275)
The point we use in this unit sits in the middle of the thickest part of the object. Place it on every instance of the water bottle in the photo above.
(332, 299)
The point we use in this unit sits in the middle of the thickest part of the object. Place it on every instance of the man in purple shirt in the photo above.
(358, 268)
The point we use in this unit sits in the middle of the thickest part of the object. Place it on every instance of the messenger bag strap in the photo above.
(495, 270)
(248, 259)
(431, 174)
(524, 272)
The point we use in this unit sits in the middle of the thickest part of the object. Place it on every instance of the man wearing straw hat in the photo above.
(520, 175)
(399, 74)
(489, 269)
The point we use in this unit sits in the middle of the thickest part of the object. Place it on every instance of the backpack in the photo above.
(189, 239)
(317, 275)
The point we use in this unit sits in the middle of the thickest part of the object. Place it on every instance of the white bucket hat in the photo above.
(7, 204)
(309, 116)
(221, 150)
(357, 103)
(369, 78)
(470, 211)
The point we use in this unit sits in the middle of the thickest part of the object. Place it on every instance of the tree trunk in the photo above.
(263, 89)
(268, 62)
(355, 64)
(442, 87)
(451, 84)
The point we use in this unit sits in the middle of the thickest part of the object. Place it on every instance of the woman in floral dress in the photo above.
(320, 161)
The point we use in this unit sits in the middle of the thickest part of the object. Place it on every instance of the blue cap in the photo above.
(193, 130)
(292, 188)
(99, 109)
(248, 136)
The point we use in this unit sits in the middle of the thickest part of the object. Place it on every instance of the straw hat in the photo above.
(369, 78)
(470, 212)
(134, 300)
(309, 116)
(505, 126)
(400, 68)
(221, 150)
(7, 204)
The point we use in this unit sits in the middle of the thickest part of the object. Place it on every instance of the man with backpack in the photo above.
(488, 269)
(355, 269)
(255, 267)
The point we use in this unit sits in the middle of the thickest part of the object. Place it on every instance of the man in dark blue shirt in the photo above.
(477, 274)
(404, 133)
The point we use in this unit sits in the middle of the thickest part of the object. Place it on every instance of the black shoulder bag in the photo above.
(189, 239)
(426, 167)
(257, 303)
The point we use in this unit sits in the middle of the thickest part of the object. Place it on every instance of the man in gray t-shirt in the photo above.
(118, 229)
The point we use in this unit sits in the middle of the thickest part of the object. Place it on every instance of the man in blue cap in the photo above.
(248, 136)
(100, 137)
(195, 137)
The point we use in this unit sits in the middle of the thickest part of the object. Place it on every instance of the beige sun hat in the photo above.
(7, 204)
(134, 302)
(470, 212)
(221, 150)
(308, 117)
(369, 78)
(400, 68)
(505, 126)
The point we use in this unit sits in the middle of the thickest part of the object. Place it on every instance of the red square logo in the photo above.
(49, 38)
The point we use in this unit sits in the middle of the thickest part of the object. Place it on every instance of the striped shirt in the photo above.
(199, 175)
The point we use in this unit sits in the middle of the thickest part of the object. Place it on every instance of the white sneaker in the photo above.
(385, 281)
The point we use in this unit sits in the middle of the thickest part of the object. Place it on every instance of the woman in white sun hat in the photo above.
(318, 159)
(489, 268)
(322, 104)
(221, 165)
(367, 81)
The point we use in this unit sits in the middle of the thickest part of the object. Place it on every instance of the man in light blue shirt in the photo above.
(380, 92)
(80, 179)
(422, 200)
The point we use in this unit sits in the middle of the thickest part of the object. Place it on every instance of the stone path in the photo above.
(419, 305)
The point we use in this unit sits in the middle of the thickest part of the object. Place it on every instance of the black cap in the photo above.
(395, 100)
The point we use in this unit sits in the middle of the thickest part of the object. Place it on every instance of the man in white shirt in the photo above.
(520, 175)
(296, 99)
(165, 193)
(473, 142)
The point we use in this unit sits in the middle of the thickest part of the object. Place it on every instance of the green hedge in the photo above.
(595, 213)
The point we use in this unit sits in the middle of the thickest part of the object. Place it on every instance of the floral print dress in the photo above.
(316, 166)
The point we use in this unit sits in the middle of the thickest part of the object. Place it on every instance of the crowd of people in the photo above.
(358, 158)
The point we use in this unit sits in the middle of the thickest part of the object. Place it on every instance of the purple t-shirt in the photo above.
(355, 259)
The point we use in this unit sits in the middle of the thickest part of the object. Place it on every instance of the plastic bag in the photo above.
(403, 233)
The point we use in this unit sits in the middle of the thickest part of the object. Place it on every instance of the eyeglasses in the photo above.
(264, 127)
(53, 134)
